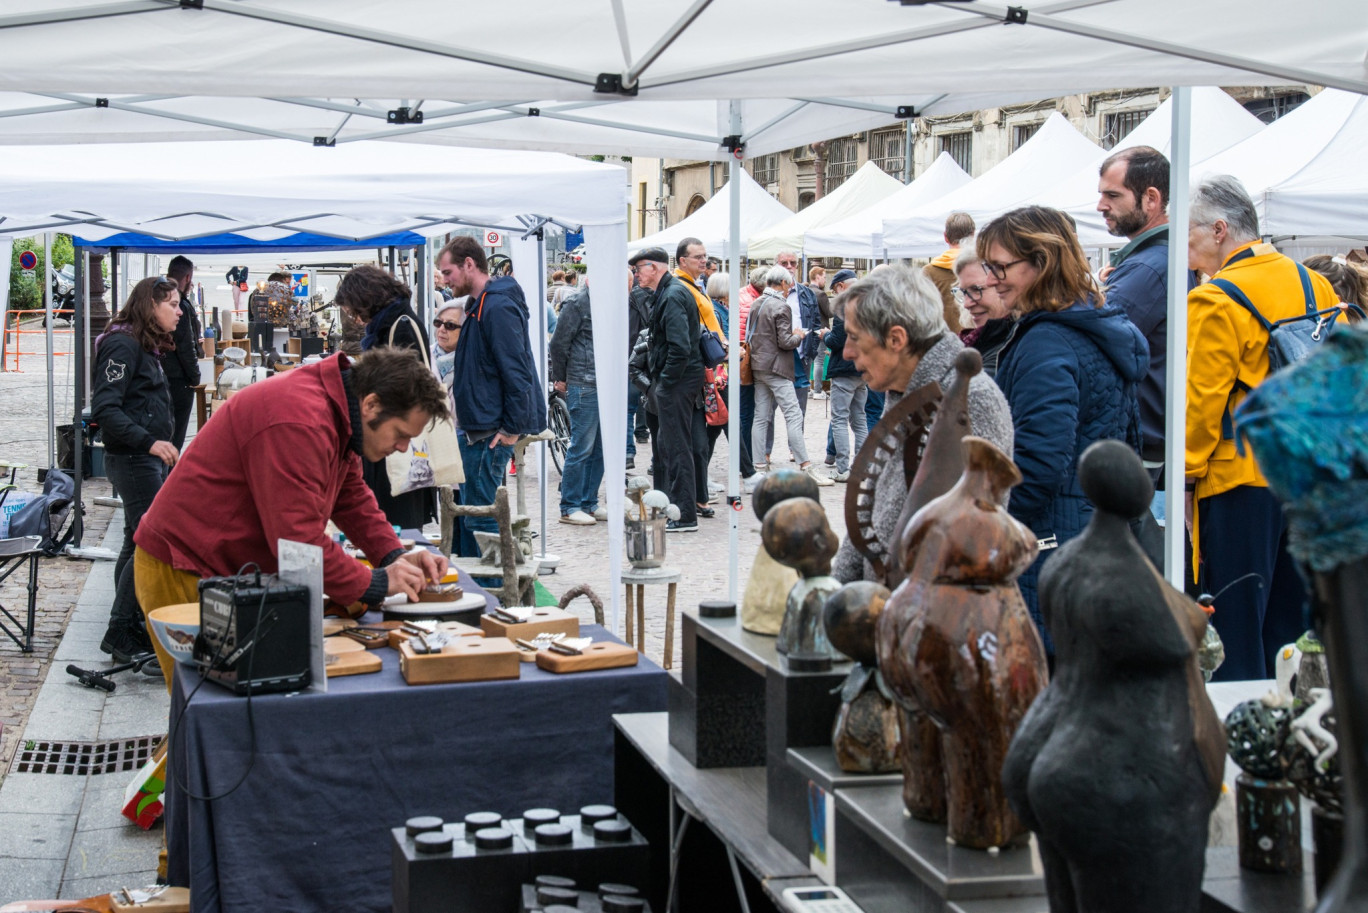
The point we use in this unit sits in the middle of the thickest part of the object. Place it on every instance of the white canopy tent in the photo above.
(861, 235)
(268, 190)
(643, 80)
(867, 186)
(711, 224)
(1053, 154)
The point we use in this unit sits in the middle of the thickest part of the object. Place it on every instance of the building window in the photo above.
(961, 148)
(887, 149)
(1270, 109)
(1022, 132)
(805, 199)
(1116, 126)
(765, 169)
(841, 156)
(695, 204)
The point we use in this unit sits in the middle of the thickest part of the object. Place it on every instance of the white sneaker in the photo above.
(749, 482)
(816, 476)
(578, 518)
(715, 487)
(601, 514)
(840, 476)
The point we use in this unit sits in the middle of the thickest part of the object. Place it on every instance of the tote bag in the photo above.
(432, 459)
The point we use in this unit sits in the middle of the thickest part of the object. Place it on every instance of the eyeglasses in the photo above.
(447, 325)
(999, 270)
(973, 292)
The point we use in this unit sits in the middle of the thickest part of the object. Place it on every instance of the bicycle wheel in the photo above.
(560, 423)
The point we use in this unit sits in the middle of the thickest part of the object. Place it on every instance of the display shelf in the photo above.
(818, 764)
(1227, 888)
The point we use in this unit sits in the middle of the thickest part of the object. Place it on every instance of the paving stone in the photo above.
(42, 794)
(80, 888)
(36, 836)
(112, 851)
(30, 879)
(102, 806)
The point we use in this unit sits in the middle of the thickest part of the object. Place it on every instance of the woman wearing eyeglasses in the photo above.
(446, 329)
(1070, 373)
(993, 322)
(131, 401)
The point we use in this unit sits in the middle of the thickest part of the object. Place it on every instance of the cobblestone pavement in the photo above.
(25, 419)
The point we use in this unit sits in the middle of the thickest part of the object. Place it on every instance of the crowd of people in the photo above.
(1071, 356)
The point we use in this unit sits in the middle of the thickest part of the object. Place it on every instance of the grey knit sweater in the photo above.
(989, 418)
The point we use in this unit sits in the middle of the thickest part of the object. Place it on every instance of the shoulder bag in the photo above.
(433, 458)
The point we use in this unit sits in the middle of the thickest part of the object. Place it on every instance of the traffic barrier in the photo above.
(15, 331)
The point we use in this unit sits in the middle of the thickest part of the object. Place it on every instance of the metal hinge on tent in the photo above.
(404, 116)
(1016, 15)
(534, 112)
(905, 112)
(733, 144)
(325, 141)
(192, 4)
(611, 84)
(102, 103)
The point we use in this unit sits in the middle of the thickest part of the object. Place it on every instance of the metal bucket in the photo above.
(645, 542)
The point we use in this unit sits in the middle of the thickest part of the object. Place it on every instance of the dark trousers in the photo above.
(874, 406)
(1242, 531)
(747, 422)
(182, 401)
(679, 436)
(633, 408)
(136, 478)
(484, 473)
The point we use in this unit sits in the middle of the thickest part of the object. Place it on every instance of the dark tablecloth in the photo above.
(330, 774)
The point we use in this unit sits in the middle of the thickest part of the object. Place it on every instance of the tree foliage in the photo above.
(24, 291)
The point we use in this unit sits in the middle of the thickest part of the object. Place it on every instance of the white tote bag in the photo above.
(432, 459)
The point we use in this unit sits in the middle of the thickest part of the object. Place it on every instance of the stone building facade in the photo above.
(666, 190)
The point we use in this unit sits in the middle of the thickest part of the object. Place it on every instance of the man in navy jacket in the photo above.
(495, 388)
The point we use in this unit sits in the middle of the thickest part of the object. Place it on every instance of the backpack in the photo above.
(45, 515)
(1292, 338)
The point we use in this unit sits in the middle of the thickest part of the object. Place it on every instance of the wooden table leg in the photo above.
(641, 618)
(629, 638)
(669, 627)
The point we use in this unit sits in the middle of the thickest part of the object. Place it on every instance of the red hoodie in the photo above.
(274, 463)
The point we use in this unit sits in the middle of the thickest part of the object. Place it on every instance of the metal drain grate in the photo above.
(83, 758)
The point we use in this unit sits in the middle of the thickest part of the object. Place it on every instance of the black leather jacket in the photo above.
(131, 399)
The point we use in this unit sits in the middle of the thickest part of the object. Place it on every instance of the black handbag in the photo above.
(711, 348)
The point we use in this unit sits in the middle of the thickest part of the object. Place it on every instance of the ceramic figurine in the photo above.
(866, 734)
(767, 589)
(957, 638)
(1268, 812)
(796, 534)
(1125, 729)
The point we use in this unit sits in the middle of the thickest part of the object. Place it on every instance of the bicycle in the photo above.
(558, 417)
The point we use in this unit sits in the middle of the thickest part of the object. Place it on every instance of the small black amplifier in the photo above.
(254, 633)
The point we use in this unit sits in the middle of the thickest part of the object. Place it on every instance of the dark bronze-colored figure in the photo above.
(866, 735)
(956, 638)
(1118, 764)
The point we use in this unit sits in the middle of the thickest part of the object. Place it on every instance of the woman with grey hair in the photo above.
(897, 337)
(992, 324)
(772, 338)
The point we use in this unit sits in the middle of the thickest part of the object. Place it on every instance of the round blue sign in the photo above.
(28, 259)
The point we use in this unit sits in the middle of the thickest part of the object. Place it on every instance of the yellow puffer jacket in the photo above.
(705, 307)
(1226, 342)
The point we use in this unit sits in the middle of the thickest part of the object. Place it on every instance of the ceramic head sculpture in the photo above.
(797, 535)
(1125, 728)
(767, 588)
(866, 736)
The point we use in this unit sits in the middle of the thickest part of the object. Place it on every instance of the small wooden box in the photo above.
(454, 628)
(470, 659)
(544, 620)
(603, 655)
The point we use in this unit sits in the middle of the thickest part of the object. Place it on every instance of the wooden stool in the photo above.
(641, 578)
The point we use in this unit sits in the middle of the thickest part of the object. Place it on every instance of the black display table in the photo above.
(331, 774)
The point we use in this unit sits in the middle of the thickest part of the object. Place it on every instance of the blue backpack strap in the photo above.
(1233, 292)
(1307, 292)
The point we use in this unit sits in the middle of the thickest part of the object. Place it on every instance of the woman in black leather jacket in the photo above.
(132, 404)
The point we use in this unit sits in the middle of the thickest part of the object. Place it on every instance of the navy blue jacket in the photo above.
(494, 383)
(1139, 286)
(1070, 378)
(838, 365)
(811, 314)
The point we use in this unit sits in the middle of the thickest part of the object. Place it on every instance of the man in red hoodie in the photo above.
(958, 226)
(277, 461)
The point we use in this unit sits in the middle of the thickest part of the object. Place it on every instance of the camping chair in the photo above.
(14, 554)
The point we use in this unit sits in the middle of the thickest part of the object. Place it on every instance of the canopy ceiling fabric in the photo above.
(867, 186)
(267, 190)
(1056, 152)
(297, 69)
(711, 224)
(861, 235)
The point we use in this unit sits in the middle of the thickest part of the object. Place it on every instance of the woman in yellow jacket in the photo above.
(1238, 527)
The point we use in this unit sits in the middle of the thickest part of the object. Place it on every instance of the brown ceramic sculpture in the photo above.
(767, 588)
(1118, 764)
(866, 734)
(796, 534)
(956, 638)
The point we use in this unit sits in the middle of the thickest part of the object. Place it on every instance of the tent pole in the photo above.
(735, 253)
(1175, 409)
(80, 389)
(51, 362)
(907, 151)
(540, 305)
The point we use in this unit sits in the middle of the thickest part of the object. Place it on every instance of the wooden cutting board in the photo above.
(605, 655)
(355, 663)
(469, 659)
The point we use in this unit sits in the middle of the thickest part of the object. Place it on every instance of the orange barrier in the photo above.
(14, 335)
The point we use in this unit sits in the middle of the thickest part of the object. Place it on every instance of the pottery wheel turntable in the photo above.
(467, 609)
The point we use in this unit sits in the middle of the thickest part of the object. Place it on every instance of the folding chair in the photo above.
(14, 553)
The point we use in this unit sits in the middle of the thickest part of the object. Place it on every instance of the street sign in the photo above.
(28, 259)
(493, 239)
